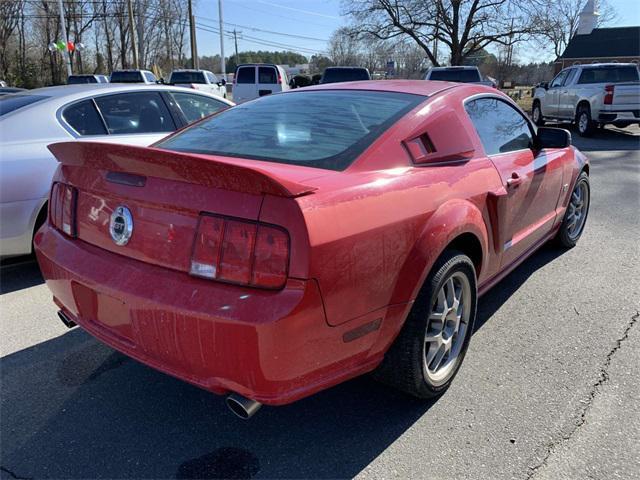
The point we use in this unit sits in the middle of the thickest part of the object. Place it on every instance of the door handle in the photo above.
(514, 181)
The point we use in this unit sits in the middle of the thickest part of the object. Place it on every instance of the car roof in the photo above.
(68, 92)
(456, 67)
(605, 65)
(416, 87)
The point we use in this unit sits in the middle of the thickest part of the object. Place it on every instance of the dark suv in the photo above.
(344, 74)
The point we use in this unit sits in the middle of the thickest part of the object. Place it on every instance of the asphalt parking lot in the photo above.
(549, 388)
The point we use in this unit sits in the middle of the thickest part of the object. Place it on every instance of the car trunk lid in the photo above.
(166, 192)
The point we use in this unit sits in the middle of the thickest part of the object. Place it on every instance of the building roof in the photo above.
(605, 43)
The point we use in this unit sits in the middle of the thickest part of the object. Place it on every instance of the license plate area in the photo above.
(102, 309)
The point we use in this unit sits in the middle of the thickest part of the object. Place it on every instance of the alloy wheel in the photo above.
(578, 208)
(583, 122)
(447, 328)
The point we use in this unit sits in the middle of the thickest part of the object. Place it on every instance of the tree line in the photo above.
(415, 34)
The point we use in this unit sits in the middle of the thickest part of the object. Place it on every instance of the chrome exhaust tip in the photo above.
(66, 320)
(243, 407)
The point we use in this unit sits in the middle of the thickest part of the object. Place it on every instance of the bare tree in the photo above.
(557, 21)
(463, 26)
(9, 21)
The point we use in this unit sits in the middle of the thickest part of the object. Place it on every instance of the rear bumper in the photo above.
(273, 347)
(630, 116)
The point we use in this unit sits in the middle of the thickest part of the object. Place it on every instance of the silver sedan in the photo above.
(29, 121)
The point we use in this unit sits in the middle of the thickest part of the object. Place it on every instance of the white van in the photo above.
(258, 79)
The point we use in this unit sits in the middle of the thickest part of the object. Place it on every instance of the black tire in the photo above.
(584, 123)
(404, 364)
(536, 114)
(565, 237)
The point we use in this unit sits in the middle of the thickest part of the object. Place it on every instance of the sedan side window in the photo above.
(501, 127)
(196, 107)
(84, 118)
(132, 113)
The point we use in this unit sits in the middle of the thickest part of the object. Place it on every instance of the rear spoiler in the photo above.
(212, 171)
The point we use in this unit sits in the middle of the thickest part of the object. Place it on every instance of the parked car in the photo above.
(591, 96)
(299, 81)
(202, 80)
(344, 74)
(80, 79)
(110, 113)
(291, 243)
(8, 90)
(459, 74)
(133, 76)
(253, 80)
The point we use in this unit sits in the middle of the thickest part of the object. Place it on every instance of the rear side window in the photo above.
(462, 75)
(78, 79)
(501, 127)
(150, 77)
(267, 75)
(131, 113)
(325, 129)
(126, 77)
(246, 75)
(334, 75)
(187, 77)
(84, 118)
(196, 107)
(609, 75)
(10, 103)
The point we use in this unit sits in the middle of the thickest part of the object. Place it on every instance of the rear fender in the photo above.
(449, 221)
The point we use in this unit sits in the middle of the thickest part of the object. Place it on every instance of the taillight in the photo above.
(62, 208)
(240, 252)
(608, 94)
(279, 78)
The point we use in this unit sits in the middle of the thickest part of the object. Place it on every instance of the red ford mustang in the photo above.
(293, 242)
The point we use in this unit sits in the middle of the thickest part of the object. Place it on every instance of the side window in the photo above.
(267, 75)
(84, 118)
(131, 113)
(501, 127)
(211, 77)
(196, 107)
(150, 77)
(559, 79)
(246, 75)
(570, 76)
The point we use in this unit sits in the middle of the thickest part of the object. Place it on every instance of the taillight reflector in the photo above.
(240, 252)
(62, 208)
(608, 94)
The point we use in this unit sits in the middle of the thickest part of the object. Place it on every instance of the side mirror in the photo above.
(548, 137)
(545, 85)
(222, 83)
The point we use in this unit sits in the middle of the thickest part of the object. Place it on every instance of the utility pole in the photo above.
(192, 29)
(235, 40)
(134, 44)
(222, 67)
(65, 38)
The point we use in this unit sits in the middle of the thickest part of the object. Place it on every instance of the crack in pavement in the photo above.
(595, 388)
(13, 475)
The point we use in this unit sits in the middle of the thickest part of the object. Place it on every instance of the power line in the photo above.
(292, 35)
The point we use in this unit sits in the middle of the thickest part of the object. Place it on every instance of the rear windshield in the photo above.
(78, 79)
(126, 77)
(462, 75)
(609, 75)
(187, 77)
(9, 103)
(325, 129)
(334, 75)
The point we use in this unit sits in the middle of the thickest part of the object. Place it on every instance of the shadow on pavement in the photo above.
(74, 408)
(19, 273)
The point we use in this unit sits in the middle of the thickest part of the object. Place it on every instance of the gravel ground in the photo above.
(549, 388)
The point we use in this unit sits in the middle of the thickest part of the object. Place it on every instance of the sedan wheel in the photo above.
(447, 328)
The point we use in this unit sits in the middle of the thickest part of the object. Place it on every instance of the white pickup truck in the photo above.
(591, 96)
(202, 80)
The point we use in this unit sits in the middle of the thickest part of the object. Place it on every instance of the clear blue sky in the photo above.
(314, 20)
